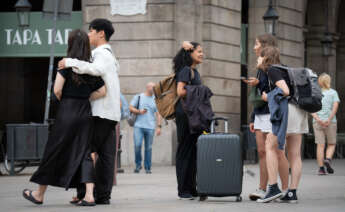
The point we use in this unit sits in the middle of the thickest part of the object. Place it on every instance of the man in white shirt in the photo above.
(106, 111)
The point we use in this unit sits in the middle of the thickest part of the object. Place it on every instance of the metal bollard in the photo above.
(119, 151)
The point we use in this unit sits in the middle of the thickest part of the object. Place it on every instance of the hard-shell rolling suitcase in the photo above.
(219, 163)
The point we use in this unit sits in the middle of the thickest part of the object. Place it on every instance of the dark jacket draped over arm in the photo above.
(197, 106)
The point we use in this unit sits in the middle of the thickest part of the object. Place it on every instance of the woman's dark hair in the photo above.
(105, 25)
(271, 56)
(78, 48)
(183, 58)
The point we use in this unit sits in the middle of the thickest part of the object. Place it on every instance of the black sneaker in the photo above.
(137, 170)
(322, 171)
(290, 197)
(148, 171)
(273, 193)
(186, 197)
(203, 198)
(194, 194)
(330, 170)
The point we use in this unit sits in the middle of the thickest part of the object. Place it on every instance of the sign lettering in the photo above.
(34, 41)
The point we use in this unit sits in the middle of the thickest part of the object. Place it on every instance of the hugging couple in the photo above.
(88, 88)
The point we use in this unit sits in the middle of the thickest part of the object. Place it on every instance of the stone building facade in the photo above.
(146, 44)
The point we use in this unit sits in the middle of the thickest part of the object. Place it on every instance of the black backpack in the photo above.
(307, 92)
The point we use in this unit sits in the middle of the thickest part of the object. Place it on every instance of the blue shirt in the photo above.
(147, 120)
(329, 97)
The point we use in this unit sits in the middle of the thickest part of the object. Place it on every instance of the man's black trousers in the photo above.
(105, 145)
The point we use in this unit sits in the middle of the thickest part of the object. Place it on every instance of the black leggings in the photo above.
(186, 155)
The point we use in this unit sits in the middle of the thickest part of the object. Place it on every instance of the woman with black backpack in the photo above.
(289, 122)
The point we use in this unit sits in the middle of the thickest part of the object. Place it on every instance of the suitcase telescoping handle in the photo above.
(213, 123)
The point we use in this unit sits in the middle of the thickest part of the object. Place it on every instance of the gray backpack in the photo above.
(307, 92)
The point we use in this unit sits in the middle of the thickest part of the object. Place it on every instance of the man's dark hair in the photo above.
(105, 25)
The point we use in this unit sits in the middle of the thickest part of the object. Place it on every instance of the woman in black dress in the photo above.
(185, 62)
(67, 158)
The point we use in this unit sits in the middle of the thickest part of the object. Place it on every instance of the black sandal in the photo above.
(75, 201)
(30, 197)
(85, 203)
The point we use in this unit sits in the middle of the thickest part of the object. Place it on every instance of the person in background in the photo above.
(325, 125)
(145, 126)
(260, 123)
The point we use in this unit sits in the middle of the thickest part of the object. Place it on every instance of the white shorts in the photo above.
(297, 121)
(263, 123)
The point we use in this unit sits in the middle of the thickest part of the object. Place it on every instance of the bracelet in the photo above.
(159, 126)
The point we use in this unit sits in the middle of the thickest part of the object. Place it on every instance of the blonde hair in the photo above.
(325, 81)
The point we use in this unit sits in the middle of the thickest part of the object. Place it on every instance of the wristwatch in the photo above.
(159, 126)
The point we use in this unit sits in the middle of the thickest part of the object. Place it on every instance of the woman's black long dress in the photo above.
(66, 161)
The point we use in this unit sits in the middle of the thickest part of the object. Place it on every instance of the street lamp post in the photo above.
(327, 39)
(271, 19)
(327, 42)
(23, 8)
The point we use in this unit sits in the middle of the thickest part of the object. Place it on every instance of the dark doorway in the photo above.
(340, 63)
(244, 66)
(37, 5)
(23, 83)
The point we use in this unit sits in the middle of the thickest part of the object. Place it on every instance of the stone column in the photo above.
(340, 85)
(221, 69)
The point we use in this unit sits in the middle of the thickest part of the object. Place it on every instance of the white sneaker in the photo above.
(258, 194)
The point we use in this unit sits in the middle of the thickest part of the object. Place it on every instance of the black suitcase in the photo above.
(219, 163)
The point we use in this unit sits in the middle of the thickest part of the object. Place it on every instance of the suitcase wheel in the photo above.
(238, 199)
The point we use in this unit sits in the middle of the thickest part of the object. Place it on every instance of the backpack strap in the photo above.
(291, 79)
(192, 75)
(280, 66)
(270, 83)
(109, 50)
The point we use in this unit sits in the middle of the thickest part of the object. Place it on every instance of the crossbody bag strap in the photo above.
(138, 102)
